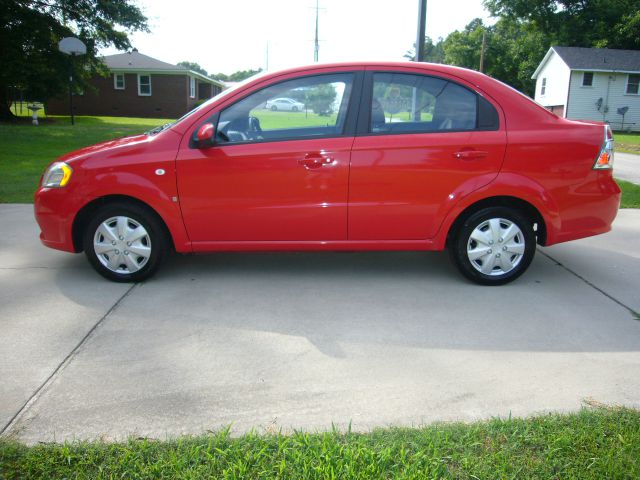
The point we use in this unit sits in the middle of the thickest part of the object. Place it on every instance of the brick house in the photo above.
(139, 86)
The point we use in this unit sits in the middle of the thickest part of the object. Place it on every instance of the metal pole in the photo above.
(317, 45)
(422, 20)
(71, 89)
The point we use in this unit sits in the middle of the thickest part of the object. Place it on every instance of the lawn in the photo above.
(630, 194)
(627, 142)
(275, 120)
(592, 444)
(27, 149)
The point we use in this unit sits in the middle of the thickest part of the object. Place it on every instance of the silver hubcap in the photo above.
(496, 246)
(122, 245)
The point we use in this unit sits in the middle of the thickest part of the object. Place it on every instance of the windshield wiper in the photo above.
(156, 130)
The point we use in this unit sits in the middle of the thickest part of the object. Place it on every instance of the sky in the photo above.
(227, 36)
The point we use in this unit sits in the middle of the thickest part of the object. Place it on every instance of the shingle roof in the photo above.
(135, 60)
(579, 58)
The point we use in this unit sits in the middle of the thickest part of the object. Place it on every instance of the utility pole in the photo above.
(484, 44)
(422, 20)
(317, 44)
(422, 27)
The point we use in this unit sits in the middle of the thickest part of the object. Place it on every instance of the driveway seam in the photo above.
(635, 314)
(61, 366)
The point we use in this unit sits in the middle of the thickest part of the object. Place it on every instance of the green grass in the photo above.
(630, 194)
(627, 142)
(601, 443)
(27, 149)
(275, 120)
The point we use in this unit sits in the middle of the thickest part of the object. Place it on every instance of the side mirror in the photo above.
(206, 135)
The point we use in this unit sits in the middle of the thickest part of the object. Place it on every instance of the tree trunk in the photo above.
(5, 106)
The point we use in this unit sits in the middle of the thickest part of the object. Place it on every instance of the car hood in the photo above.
(104, 147)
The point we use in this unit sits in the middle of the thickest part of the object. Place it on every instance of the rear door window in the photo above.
(406, 103)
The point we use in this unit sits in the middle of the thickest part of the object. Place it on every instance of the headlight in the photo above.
(57, 175)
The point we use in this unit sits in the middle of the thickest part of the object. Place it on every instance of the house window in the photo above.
(544, 86)
(633, 84)
(192, 87)
(144, 85)
(587, 79)
(118, 81)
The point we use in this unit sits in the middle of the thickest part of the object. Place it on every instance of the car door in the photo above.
(273, 175)
(423, 142)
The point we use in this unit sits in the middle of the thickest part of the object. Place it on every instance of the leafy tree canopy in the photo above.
(433, 52)
(193, 66)
(577, 23)
(31, 29)
(236, 76)
(320, 99)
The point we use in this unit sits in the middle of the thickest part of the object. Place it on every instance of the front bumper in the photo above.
(55, 209)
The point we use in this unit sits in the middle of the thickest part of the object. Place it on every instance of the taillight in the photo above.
(605, 157)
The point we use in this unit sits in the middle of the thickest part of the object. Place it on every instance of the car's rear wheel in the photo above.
(125, 242)
(493, 246)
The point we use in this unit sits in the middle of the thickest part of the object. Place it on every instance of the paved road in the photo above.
(627, 167)
(302, 340)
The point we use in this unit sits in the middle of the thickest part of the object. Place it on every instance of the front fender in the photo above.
(159, 195)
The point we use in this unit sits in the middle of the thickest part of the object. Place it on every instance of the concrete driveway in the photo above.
(272, 341)
(627, 167)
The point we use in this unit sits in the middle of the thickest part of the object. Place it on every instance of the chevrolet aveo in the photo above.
(386, 156)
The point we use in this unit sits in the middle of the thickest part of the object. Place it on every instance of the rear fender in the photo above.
(506, 185)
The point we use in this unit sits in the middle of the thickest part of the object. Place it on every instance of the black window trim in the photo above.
(364, 118)
(349, 129)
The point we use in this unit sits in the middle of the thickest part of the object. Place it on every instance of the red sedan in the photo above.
(386, 156)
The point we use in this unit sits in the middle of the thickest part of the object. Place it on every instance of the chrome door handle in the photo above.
(470, 154)
(315, 161)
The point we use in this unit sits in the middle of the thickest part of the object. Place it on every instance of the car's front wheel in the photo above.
(493, 246)
(125, 242)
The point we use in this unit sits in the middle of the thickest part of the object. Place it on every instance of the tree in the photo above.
(320, 99)
(433, 52)
(236, 76)
(513, 50)
(29, 34)
(577, 23)
(193, 66)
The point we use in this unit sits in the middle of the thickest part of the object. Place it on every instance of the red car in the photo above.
(386, 156)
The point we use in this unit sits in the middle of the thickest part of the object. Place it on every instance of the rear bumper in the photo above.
(55, 211)
(589, 209)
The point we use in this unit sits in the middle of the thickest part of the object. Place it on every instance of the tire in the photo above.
(294, 109)
(473, 246)
(274, 108)
(110, 253)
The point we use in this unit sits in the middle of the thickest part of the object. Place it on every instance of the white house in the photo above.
(591, 84)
